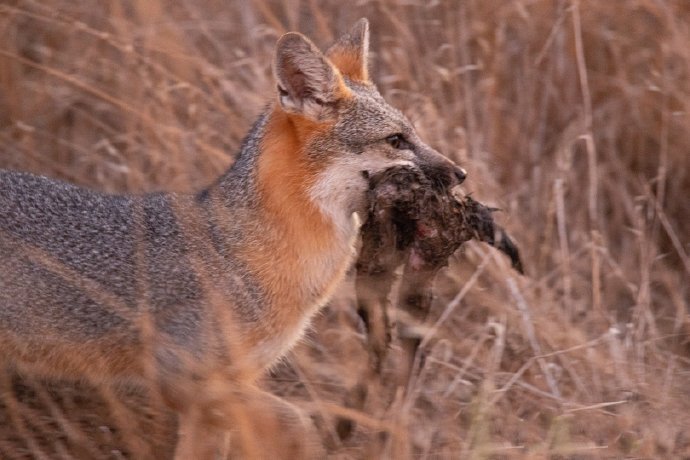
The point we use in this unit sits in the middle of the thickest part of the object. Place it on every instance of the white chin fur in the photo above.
(339, 191)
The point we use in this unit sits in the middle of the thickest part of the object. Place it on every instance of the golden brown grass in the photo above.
(572, 116)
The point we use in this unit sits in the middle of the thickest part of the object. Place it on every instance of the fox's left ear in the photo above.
(350, 53)
(308, 84)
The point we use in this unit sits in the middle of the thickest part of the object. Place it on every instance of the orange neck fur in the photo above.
(299, 255)
(296, 250)
(285, 174)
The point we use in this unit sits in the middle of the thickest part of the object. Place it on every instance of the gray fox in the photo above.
(197, 291)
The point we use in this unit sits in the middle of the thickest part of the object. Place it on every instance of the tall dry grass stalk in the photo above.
(572, 116)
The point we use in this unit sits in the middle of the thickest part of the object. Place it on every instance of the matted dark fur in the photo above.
(407, 214)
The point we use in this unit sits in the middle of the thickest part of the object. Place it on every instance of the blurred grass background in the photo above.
(573, 117)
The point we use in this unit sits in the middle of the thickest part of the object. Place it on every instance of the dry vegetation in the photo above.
(571, 116)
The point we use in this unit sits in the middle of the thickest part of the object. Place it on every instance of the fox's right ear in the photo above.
(308, 83)
(350, 53)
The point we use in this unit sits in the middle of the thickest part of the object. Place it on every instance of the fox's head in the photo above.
(338, 128)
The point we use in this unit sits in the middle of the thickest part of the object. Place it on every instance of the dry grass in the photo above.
(572, 116)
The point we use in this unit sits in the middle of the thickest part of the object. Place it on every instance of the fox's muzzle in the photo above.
(442, 172)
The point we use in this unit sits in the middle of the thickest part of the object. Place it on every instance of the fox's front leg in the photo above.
(271, 427)
(250, 423)
(198, 439)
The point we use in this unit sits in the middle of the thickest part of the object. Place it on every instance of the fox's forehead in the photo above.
(368, 117)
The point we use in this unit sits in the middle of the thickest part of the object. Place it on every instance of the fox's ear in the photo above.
(350, 53)
(307, 82)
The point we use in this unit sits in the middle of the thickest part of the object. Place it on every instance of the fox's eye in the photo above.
(397, 141)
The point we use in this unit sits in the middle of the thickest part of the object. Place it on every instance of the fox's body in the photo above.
(95, 284)
(80, 267)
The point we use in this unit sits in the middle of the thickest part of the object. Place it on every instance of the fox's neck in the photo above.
(298, 252)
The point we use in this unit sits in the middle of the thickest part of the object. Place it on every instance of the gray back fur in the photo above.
(124, 246)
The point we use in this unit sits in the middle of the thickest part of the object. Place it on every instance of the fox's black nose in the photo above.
(460, 174)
